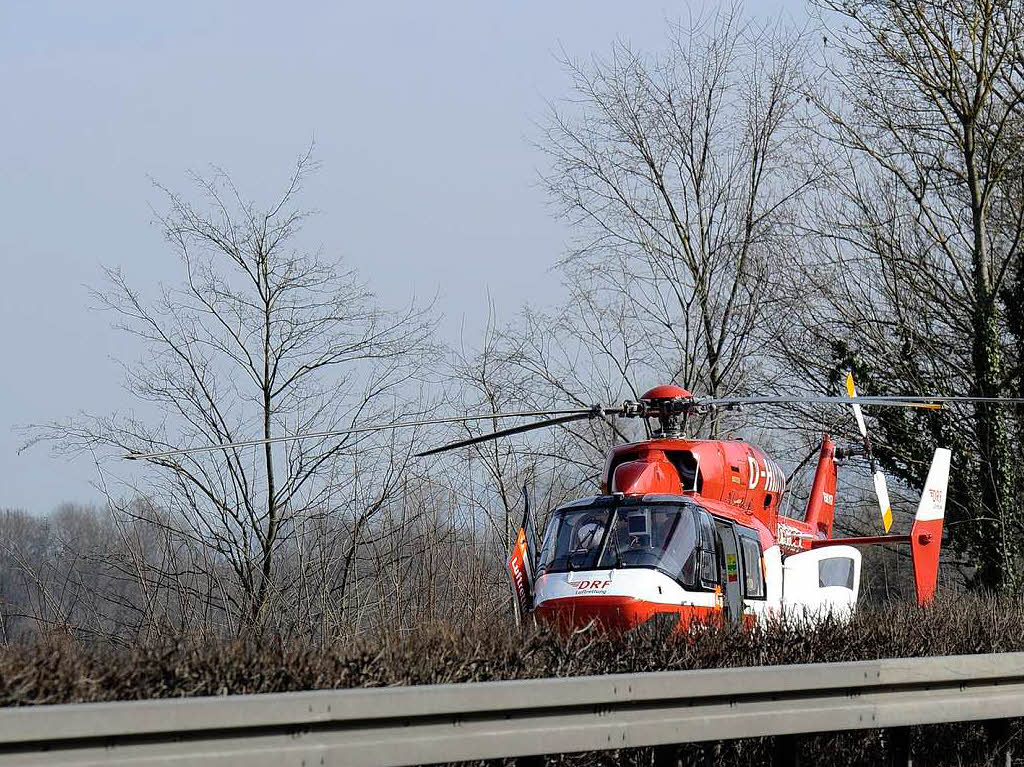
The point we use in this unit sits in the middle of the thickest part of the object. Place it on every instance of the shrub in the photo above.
(61, 670)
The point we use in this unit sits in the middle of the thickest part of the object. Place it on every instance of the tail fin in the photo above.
(926, 535)
(821, 505)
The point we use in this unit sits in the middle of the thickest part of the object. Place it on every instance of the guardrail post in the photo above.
(536, 760)
(666, 755)
(999, 741)
(897, 747)
(785, 752)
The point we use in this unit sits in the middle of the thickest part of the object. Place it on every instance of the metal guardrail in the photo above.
(443, 723)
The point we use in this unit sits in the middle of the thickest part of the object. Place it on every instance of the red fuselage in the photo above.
(730, 478)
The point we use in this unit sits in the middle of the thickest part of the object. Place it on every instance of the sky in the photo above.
(423, 117)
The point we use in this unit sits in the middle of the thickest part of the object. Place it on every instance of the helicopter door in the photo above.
(732, 584)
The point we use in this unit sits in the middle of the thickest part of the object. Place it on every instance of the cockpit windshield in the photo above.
(603, 535)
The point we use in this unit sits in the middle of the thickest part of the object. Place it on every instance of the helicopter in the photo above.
(690, 529)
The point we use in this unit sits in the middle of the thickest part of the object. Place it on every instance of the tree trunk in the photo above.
(995, 560)
(260, 602)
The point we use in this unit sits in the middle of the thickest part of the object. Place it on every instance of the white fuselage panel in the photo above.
(645, 584)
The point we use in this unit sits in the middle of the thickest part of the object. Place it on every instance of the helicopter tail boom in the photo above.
(925, 537)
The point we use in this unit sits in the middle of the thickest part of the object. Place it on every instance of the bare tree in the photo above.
(920, 237)
(682, 182)
(261, 339)
(681, 175)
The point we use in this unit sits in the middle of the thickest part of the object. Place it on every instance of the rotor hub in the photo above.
(666, 391)
(670, 404)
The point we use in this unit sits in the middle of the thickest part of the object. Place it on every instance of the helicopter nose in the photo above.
(609, 612)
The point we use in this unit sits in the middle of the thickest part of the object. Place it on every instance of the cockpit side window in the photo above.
(710, 577)
(753, 567)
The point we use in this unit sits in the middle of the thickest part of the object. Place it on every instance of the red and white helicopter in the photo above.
(691, 528)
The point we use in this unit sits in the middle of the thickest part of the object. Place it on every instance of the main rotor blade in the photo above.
(877, 475)
(595, 413)
(354, 430)
(882, 494)
(886, 401)
(851, 390)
